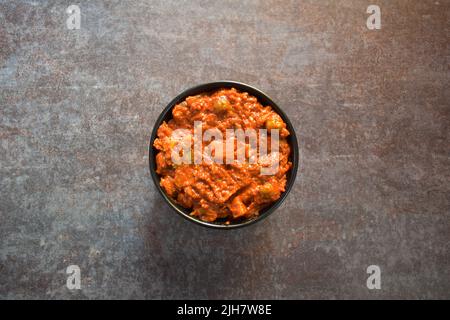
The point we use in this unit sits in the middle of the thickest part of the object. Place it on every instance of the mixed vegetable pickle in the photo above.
(224, 192)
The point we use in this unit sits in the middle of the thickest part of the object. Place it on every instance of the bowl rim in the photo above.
(260, 95)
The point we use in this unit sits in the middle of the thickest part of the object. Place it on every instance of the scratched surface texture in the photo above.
(371, 111)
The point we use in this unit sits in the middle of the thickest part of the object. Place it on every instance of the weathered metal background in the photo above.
(371, 111)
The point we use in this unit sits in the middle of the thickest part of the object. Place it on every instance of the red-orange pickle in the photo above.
(225, 192)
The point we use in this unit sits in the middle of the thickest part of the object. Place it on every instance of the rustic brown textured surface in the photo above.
(371, 111)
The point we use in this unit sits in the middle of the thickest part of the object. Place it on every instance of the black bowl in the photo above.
(264, 100)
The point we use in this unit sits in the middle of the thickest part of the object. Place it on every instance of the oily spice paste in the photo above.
(221, 191)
